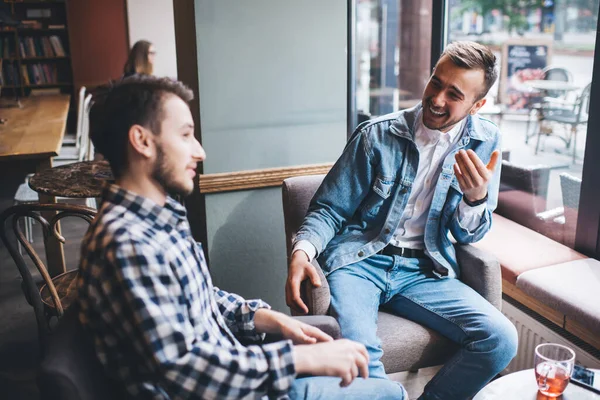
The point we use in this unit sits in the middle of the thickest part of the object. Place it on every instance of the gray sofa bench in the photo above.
(572, 288)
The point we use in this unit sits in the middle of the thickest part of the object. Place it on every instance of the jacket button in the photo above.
(361, 253)
(387, 231)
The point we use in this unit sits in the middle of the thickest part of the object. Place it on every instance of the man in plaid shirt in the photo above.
(159, 325)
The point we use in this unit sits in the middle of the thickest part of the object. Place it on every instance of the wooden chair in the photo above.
(49, 296)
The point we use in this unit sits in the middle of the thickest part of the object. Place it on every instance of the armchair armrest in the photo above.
(325, 323)
(552, 224)
(317, 299)
(481, 271)
(551, 215)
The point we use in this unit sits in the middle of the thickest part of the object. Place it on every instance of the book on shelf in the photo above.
(57, 46)
(36, 47)
(40, 74)
(45, 91)
(10, 75)
(25, 75)
(31, 24)
(7, 48)
(34, 54)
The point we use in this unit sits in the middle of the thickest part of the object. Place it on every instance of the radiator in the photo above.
(533, 331)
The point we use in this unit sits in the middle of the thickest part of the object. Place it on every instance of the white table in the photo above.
(550, 85)
(521, 385)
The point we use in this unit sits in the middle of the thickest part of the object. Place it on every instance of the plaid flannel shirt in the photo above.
(158, 324)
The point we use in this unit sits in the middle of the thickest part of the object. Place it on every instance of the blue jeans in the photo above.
(407, 287)
(328, 388)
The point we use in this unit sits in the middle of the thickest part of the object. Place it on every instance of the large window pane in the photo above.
(546, 52)
(393, 46)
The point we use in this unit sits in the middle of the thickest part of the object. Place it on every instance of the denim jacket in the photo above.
(358, 207)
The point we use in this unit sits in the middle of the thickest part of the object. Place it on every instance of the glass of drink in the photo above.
(553, 368)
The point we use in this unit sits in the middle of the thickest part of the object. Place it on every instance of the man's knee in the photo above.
(499, 339)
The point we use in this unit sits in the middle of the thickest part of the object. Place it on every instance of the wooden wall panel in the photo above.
(99, 40)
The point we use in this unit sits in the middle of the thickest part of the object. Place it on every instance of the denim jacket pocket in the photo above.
(382, 189)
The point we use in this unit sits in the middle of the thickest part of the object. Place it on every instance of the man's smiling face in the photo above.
(451, 94)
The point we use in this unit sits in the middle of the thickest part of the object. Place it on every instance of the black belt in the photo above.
(390, 250)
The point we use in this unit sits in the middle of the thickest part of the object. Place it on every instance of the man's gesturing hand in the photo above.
(299, 270)
(342, 358)
(473, 175)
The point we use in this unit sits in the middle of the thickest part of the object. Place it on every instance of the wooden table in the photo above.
(522, 386)
(34, 133)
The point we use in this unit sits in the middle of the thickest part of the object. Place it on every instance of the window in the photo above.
(540, 102)
(392, 54)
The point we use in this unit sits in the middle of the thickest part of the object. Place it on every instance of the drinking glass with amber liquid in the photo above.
(553, 368)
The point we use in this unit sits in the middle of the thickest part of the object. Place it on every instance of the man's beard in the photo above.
(163, 175)
(447, 125)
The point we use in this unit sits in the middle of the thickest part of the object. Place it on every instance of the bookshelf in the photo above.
(35, 54)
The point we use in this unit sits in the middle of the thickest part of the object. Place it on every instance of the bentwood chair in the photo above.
(407, 346)
(49, 295)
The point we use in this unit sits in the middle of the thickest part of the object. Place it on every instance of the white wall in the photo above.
(152, 20)
(272, 92)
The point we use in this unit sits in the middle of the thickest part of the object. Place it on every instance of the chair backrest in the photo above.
(523, 192)
(552, 73)
(570, 187)
(80, 102)
(532, 179)
(85, 144)
(70, 369)
(582, 105)
(297, 193)
(10, 221)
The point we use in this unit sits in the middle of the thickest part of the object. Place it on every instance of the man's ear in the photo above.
(478, 104)
(141, 141)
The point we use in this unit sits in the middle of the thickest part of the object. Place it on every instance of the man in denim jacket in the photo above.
(379, 224)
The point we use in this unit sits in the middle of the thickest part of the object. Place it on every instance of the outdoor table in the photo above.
(550, 85)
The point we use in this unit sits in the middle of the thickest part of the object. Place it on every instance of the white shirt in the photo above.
(433, 146)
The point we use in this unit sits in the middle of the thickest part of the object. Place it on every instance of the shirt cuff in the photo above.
(307, 247)
(282, 370)
(247, 326)
(469, 217)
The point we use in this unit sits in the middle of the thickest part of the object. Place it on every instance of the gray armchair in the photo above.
(406, 344)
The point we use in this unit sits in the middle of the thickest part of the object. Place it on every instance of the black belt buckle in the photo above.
(390, 250)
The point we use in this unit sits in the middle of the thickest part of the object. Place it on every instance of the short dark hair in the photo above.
(136, 100)
(472, 55)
